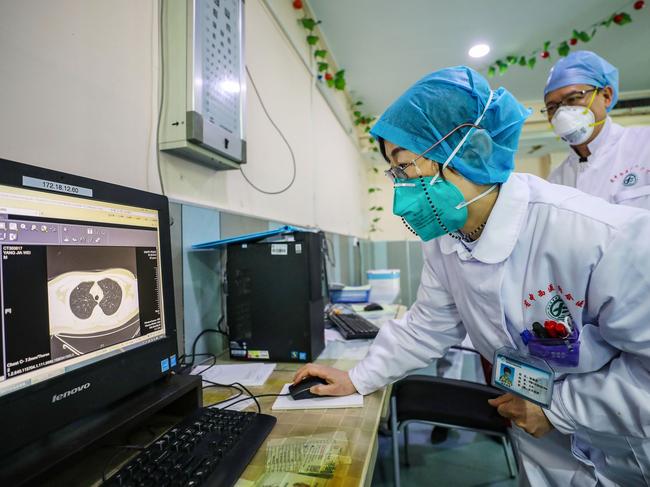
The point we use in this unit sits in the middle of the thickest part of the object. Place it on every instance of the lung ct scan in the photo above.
(91, 309)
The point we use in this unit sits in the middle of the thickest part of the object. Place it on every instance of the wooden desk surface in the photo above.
(359, 424)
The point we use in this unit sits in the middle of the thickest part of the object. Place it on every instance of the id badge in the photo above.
(526, 376)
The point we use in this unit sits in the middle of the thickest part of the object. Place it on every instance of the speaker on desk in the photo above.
(275, 298)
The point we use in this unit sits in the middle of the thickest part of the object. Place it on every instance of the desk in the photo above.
(359, 424)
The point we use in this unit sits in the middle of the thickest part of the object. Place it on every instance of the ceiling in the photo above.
(386, 45)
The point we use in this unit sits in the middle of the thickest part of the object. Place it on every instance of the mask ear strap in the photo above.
(462, 141)
(465, 203)
(593, 97)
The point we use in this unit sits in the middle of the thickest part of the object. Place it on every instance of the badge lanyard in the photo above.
(523, 375)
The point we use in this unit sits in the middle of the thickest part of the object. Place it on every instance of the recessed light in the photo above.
(479, 50)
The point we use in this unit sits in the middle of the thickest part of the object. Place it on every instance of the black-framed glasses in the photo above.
(399, 171)
(575, 98)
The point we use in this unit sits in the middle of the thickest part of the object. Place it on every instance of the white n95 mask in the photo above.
(574, 125)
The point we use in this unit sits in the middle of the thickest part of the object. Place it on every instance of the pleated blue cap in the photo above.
(583, 68)
(445, 99)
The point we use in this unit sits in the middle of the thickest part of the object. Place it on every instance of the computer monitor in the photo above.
(86, 298)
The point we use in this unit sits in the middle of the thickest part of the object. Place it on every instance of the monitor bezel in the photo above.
(28, 412)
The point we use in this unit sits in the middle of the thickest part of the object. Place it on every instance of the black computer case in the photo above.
(275, 298)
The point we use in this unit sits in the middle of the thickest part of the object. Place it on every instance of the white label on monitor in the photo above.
(54, 186)
(279, 249)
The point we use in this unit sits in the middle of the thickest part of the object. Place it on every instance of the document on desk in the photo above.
(317, 455)
(246, 374)
(287, 479)
(288, 402)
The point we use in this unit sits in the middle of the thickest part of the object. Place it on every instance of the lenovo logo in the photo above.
(71, 392)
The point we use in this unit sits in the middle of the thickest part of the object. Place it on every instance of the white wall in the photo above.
(76, 83)
(78, 93)
(390, 227)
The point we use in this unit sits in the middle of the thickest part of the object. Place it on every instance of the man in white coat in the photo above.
(606, 159)
(505, 251)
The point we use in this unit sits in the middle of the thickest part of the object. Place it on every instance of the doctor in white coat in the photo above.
(505, 250)
(606, 159)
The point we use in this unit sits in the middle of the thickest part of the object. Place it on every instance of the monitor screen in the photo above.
(80, 281)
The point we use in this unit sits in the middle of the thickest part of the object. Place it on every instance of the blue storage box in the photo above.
(350, 294)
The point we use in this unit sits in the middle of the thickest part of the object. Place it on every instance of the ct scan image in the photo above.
(92, 297)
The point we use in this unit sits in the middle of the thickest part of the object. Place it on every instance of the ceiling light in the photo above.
(479, 50)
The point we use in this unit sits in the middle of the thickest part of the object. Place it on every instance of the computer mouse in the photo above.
(301, 389)
(373, 307)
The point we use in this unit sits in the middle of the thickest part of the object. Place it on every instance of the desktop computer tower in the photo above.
(275, 298)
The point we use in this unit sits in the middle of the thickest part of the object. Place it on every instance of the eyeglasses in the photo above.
(574, 98)
(399, 171)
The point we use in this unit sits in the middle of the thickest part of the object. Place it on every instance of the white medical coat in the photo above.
(617, 170)
(542, 241)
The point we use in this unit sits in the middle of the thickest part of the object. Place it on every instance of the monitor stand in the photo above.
(176, 394)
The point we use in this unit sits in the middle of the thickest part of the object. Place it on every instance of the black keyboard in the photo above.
(210, 447)
(353, 326)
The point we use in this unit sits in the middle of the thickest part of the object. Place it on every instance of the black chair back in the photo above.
(454, 402)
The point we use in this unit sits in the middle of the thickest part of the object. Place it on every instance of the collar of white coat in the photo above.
(502, 228)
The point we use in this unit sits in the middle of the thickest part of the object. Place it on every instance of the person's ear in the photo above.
(608, 95)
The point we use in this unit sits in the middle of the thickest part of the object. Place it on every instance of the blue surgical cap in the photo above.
(445, 99)
(583, 68)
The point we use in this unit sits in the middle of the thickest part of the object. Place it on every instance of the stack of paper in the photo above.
(288, 402)
(246, 374)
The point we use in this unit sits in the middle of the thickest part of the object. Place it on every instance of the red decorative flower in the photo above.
(618, 18)
(639, 5)
(531, 296)
(546, 54)
(551, 288)
(297, 4)
(573, 41)
(328, 76)
(569, 297)
(541, 293)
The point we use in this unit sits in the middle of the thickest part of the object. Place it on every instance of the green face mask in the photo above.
(431, 208)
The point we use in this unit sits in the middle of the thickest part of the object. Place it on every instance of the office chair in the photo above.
(448, 403)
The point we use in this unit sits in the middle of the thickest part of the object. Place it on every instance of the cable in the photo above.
(234, 385)
(293, 156)
(214, 384)
(161, 49)
(222, 293)
(187, 368)
(207, 330)
(254, 398)
(250, 396)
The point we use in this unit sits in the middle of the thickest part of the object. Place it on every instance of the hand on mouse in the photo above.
(338, 381)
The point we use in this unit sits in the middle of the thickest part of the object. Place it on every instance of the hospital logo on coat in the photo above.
(556, 309)
(630, 179)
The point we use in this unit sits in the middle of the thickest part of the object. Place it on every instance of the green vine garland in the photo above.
(563, 47)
